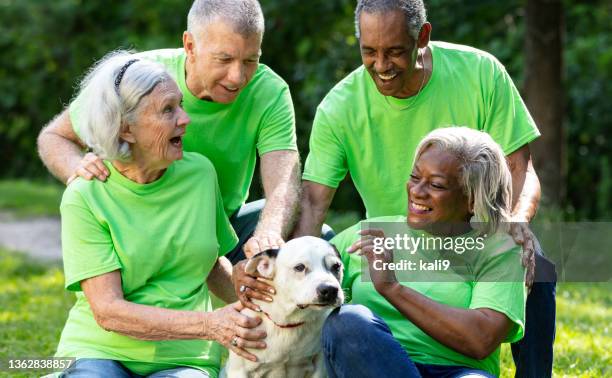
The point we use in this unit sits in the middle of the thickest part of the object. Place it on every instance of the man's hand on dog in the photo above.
(234, 330)
(260, 242)
(247, 287)
(381, 278)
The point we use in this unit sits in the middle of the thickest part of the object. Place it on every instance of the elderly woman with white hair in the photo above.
(445, 312)
(143, 249)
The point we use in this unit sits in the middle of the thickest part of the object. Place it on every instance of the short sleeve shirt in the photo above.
(164, 238)
(498, 285)
(374, 137)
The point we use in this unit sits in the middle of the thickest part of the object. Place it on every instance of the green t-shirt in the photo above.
(261, 118)
(374, 137)
(164, 237)
(495, 268)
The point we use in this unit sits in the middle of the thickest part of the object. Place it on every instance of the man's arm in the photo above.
(526, 190)
(219, 280)
(525, 199)
(61, 151)
(314, 204)
(280, 172)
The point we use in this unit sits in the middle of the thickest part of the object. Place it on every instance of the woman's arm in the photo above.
(219, 281)
(113, 313)
(475, 333)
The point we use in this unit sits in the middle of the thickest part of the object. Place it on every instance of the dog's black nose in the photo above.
(327, 293)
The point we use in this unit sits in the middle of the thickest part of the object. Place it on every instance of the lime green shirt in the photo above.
(497, 285)
(260, 119)
(164, 237)
(358, 130)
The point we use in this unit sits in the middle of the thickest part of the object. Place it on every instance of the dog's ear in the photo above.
(262, 264)
(336, 250)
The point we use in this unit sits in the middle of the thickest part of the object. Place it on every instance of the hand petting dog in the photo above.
(248, 286)
(234, 330)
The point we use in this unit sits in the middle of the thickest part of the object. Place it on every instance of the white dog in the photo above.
(306, 273)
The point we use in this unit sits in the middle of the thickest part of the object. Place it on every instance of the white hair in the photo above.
(245, 16)
(413, 10)
(105, 107)
(483, 174)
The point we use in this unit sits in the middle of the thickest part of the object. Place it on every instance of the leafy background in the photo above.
(47, 46)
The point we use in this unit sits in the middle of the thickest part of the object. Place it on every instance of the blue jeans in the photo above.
(533, 355)
(244, 222)
(100, 368)
(357, 343)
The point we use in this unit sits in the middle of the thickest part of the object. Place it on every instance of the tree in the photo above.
(543, 92)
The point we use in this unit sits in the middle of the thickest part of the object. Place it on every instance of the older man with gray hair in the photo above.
(370, 123)
(237, 107)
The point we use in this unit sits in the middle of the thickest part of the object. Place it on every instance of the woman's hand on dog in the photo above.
(228, 324)
(252, 287)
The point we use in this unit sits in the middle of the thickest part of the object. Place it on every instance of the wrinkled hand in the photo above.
(522, 235)
(228, 323)
(90, 166)
(254, 287)
(381, 278)
(260, 242)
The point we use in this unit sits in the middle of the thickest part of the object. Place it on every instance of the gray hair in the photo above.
(413, 10)
(245, 16)
(484, 173)
(105, 108)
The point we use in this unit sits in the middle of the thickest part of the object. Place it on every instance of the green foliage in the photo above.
(588, 58)
(49, 45)
(30, 198)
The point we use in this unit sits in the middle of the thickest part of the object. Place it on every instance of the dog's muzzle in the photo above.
(327, 294)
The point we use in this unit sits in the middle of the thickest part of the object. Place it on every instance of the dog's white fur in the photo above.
(301, 297)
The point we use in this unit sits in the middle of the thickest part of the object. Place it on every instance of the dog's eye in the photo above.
(299, 267)
(335, 268)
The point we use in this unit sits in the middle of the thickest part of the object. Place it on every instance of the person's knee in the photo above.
(94, 368)
(343, 321)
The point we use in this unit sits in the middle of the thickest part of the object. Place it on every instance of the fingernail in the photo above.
(259, 309)
(272, 291)
(268, 299)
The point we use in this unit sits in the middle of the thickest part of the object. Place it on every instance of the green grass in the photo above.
(30, 198)
(583, 340)
(34, 306)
